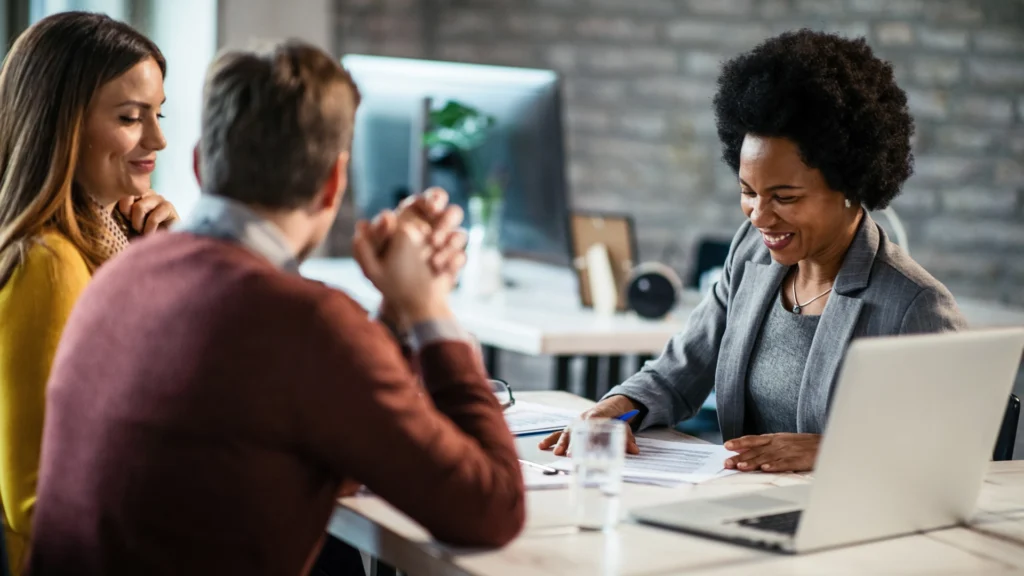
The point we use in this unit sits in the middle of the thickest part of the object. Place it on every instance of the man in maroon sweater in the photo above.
(207, 404)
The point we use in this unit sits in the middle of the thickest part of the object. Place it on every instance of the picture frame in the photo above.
(618, 233)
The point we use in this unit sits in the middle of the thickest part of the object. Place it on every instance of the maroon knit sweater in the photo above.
(205, 409)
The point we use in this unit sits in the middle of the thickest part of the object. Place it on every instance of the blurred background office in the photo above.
(640, 137)
(639, 76)
(633, 108)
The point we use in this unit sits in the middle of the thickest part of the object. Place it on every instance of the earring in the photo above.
(848, 203)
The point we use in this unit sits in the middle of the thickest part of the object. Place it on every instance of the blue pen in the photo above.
(627, 415)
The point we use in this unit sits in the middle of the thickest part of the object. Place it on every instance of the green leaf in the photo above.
(458, 125)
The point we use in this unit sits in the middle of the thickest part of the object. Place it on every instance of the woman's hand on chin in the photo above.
(774, 452)
(148, 213)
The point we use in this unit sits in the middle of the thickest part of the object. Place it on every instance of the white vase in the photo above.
(482, 275)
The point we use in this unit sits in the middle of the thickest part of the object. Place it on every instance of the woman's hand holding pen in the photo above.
(613, 407)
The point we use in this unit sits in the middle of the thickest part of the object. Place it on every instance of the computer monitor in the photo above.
(526, 146)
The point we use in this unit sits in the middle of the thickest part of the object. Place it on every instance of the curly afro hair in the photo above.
(834, 99)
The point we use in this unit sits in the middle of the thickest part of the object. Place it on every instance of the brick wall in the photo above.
(640, 74)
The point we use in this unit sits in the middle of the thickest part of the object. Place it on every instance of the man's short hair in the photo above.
(274, 122)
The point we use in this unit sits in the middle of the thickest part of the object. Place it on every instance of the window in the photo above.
(186, 32)
(4, 29)
(114, 8)
(13, 19)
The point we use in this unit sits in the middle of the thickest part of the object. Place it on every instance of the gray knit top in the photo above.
(776, 369)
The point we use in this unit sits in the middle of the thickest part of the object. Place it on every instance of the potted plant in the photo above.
(453, 142)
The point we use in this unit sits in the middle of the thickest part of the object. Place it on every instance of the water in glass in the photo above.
(597, 448)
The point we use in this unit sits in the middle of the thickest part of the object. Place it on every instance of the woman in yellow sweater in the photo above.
(80, 99)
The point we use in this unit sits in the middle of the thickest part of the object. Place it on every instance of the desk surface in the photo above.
(549, 546)
(541, 312)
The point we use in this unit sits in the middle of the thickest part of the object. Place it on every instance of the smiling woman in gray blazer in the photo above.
(818, 133)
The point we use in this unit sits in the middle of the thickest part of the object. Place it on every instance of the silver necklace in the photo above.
(797, 306)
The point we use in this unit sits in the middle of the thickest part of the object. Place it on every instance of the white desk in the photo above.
(547, 546)
(541, 315)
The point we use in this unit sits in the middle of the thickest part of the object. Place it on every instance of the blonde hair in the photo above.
(47, 81)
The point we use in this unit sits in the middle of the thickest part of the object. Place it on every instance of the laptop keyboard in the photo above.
(784, 523)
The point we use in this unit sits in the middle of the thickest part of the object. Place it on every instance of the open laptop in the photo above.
(911, 431)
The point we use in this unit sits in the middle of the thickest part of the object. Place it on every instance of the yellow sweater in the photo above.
(34, 305)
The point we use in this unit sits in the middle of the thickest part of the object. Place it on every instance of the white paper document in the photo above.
(529, 418)
(667, 463)
(679, 461)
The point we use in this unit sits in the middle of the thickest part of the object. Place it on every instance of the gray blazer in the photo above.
(879, 291)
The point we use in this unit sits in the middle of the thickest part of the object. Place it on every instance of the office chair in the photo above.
(710, 254)
(894, 226)
(1008, 431)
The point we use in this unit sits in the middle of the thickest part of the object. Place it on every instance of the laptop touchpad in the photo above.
(754, 503)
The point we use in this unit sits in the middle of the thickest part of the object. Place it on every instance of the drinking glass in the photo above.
(597, 447)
